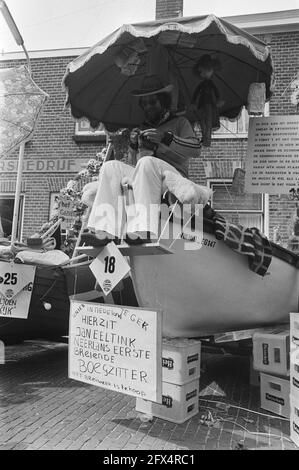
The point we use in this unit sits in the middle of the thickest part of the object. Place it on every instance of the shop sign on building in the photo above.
(47, 165)
(272, 161)
(116, 347)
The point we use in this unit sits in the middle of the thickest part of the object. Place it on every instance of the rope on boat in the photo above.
(182, 230)
(49, 290)
(167, 221)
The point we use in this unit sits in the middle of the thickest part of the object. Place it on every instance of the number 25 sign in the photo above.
(109, 267)
(9, 279)
(16, 284)
(14, 277)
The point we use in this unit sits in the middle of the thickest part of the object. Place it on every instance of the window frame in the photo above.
(265, 204)
(226, 134)
(239, 135)
(87, 133)
(19, 234)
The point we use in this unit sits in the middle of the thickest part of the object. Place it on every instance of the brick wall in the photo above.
(53, 138)
(168, 8)
(285, 56)
(55, 130)
(285, 53)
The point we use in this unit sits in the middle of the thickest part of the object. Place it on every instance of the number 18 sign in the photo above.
(109, 267)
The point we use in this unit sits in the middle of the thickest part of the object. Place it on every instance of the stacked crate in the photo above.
(294, 377)
(271, 358)
(180, 382)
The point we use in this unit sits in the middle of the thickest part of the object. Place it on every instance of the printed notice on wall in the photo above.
(116, 347)
(16, 284)
(272, 161)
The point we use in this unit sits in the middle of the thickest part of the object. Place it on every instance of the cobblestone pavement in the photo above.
(42, 409)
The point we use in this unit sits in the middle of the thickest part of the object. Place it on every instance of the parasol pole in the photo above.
(14, 30)
(15, 216)
(20, 42)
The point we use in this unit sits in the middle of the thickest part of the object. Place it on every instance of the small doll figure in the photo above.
(256, 99)
(206, 99)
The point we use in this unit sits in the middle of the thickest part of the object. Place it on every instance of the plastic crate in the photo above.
(294, 420)
(271, 351)
(179, 402)
(294, 373)
(275, 394)
(294, 331)
(180, 360)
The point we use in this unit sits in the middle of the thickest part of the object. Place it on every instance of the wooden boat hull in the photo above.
(54, 285)
(200, 291)
(212, 289)
(49, 286)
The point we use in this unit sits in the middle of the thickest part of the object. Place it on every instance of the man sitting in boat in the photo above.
(164, 143)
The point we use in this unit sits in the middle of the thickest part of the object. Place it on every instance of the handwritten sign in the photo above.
(116, 347)
(109, 267)
(66, 210)
(16, 284)
(64, 207)
(272, 162)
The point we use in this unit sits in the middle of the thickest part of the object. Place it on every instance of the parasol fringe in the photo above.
(232, 34)
(137, 31)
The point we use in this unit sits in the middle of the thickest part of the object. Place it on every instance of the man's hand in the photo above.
(152, 135)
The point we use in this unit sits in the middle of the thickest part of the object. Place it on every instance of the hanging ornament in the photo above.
(256, 98)
(238, 184)
(47, 305)
(206, 101)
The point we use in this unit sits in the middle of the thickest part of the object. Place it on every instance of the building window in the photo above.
(231, 129)
(6, 215)
(248, 210)
(84, 131)
(236, 129)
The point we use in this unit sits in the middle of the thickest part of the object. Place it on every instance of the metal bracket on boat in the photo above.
(129, 250)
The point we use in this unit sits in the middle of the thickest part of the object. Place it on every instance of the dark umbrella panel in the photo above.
(100, 82)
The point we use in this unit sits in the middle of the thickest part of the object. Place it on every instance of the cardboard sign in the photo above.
(14, 277)
(272, 161)
(64, 207)
(66, 210)
(16, 284)
(109, 267)
(116, 347)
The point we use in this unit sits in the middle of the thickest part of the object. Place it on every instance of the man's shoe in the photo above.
(138, 238)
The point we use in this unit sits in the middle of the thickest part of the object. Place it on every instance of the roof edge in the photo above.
(255, 23)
